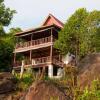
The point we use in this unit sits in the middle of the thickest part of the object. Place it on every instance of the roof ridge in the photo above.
(52, 16)
(56, 18)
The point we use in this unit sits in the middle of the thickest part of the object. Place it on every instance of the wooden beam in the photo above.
(22, 35)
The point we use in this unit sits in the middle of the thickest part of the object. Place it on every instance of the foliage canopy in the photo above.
(81, 34)
(6, 39)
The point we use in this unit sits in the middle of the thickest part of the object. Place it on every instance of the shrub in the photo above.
(27, 79)
(93, 93)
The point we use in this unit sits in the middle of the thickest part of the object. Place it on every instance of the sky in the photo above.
(32, 13)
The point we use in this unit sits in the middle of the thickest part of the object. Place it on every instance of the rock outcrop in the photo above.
(6, 82)
(45, 91)
(89, 69)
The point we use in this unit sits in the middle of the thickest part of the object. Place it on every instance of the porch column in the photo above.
(50, 71)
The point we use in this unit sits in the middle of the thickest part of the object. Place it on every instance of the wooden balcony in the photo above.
(34, 44)
(38, 62)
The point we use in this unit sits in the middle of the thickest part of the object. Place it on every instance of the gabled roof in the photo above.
(50, 20)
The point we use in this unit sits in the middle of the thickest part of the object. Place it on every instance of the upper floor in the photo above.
(40, 37)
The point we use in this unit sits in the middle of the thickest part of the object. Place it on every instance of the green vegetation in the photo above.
(6, 47)
(6, 15)
(27, 79)
(81, 34)
(54, 98)
(7, 40)
(91, 94)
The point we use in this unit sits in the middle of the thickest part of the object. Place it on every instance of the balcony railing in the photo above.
(38, 61)
(33, 42)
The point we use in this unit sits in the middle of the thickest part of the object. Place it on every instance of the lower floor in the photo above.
(51, 70)
(47, 59)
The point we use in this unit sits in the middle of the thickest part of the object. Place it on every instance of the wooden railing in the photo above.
(37, 61)
(33, 42)
(40, 60)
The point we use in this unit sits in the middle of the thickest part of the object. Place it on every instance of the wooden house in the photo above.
(36, 46)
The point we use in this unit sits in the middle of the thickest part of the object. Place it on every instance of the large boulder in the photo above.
(45, 91)
(89, 69)
(7, 82)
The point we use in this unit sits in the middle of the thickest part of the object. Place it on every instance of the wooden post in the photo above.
(31, 50)
(31, 38)
(31, 56)
(51, 48)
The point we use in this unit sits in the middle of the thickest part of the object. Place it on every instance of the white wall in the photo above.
(50, 71)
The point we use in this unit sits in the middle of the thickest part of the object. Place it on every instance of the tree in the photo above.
(70, 37)
(79, 33)
(11, 34)
(91, 29)
(5, 16)
(6, 47)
